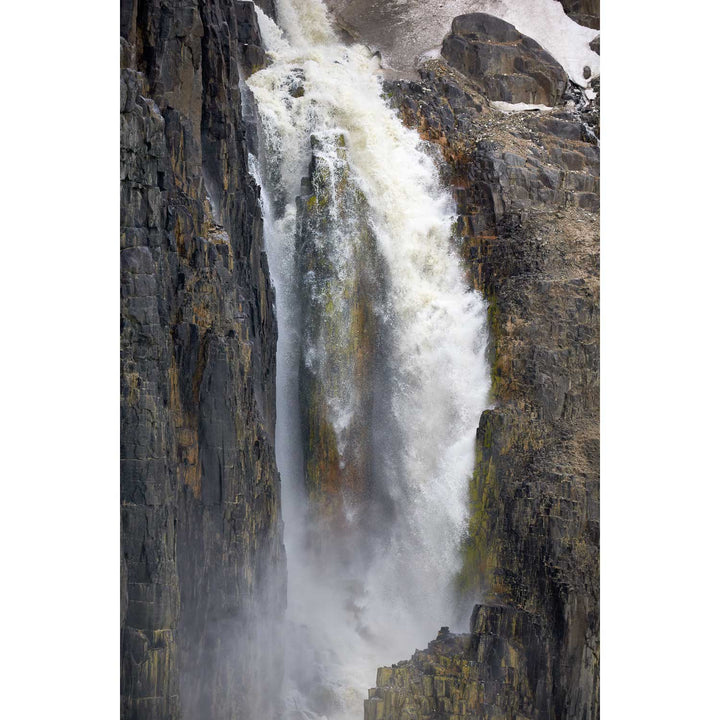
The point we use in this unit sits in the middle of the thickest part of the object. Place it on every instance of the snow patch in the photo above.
(432, 54)
(507, 107)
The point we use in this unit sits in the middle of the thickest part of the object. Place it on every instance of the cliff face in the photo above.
(202, 561)
(202, 566)
(527, 190)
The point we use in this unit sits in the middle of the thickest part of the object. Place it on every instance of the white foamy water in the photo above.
(393, 588)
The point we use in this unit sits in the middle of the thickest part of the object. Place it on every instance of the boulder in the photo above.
(504, 63)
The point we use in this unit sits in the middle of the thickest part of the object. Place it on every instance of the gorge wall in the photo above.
(202, 566)
(527, 188)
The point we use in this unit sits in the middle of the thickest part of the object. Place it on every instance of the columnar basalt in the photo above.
(202, 555)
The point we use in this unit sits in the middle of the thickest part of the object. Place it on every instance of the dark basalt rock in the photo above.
(505, 64)
(252, 52)
(498, 670)
(202, 565)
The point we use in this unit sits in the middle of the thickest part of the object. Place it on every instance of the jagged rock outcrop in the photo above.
(202, 566)
(527, 188)
(499, 670)
(505, 64)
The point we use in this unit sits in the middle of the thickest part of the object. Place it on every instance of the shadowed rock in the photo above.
(202, 561)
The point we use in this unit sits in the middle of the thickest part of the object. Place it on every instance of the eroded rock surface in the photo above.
(202, 566)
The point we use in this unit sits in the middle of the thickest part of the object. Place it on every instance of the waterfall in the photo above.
(381, 371)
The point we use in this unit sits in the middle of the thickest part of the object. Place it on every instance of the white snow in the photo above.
(507, 107)
(432, 54)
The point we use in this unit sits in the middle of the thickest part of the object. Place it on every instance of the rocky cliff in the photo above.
(527, 188)
(492, 673)
(202, 566)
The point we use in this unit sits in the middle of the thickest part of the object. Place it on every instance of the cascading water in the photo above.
(381, 370)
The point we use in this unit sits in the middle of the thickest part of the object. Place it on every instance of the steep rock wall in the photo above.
(202, 566)
(527, 191)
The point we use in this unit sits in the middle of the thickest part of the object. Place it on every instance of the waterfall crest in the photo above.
(381, 369)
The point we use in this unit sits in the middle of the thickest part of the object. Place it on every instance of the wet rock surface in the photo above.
(505, 64)
(527, 189)
(340, 298)
(202, 566)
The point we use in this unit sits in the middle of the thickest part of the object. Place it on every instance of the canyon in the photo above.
(359, 362)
